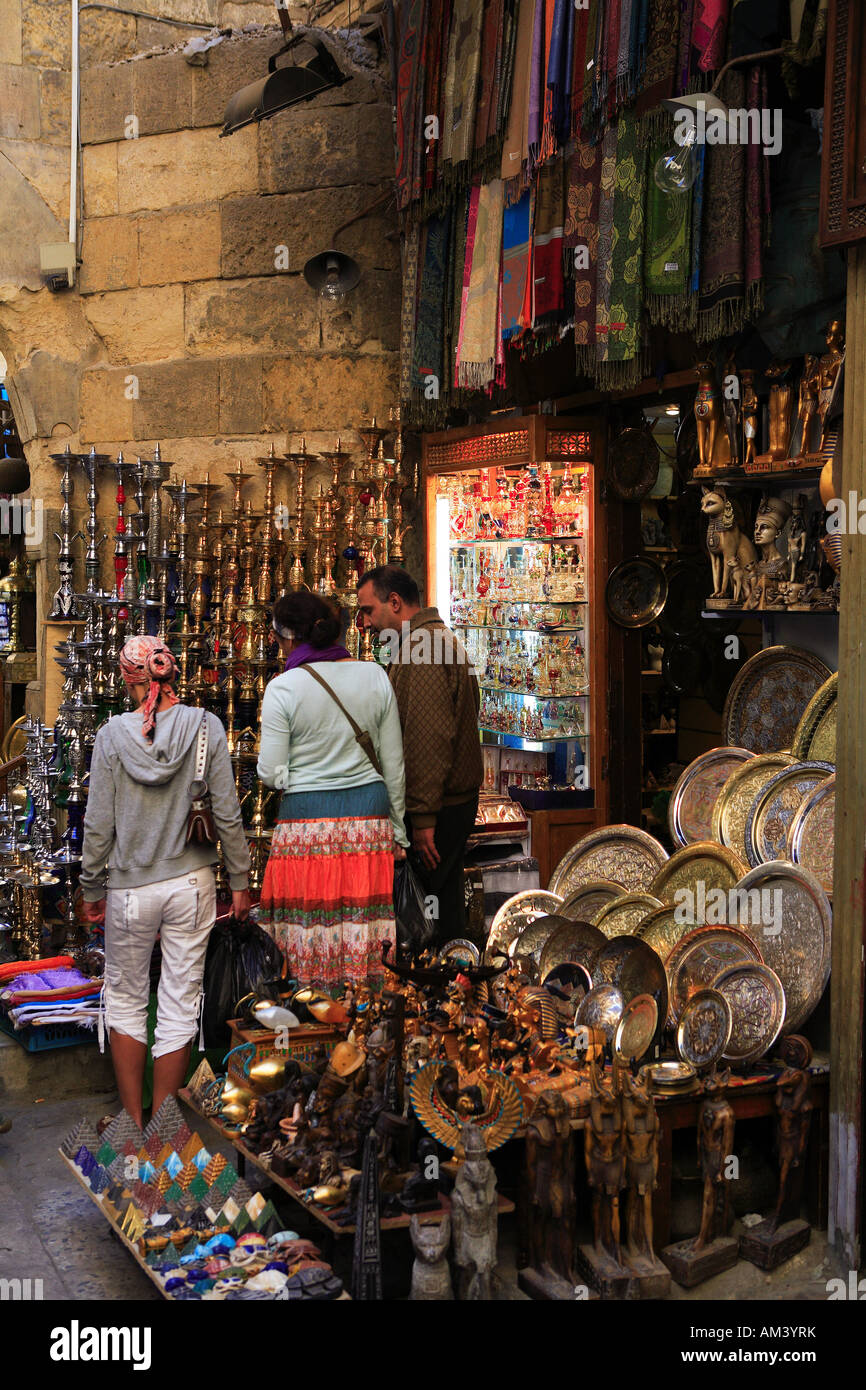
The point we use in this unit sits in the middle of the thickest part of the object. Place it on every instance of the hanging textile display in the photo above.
(619, 364)
(668, 256)
(477, 351)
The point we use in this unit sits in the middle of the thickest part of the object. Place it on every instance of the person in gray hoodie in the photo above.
(135, 828)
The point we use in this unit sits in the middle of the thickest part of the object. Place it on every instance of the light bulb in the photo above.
(677, 169)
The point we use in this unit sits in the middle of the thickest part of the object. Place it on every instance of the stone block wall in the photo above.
(191, 324)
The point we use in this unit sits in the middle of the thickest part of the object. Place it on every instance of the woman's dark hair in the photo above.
(308, 617)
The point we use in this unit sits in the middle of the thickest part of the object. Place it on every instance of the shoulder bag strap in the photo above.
(201, 750)
(361, 735)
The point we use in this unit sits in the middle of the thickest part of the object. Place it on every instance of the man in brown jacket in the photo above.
(438, 699)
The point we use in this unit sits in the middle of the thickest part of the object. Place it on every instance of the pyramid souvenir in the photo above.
(198, 1188)
(166, 1122)
(203, 1077)
(121, 1130)
(254, 1205)
(227, 1179)
(201, 1159)
(99, 1181)
(214, 1200)
(215, 1165)
(172, 1195)
(117, 1168)
(186, 1175)
(182, 1141)
(229, 1213)
(85, 1162)
(242, 1192)
(268, 1222)
(147, 1172)
(241, 1222)
(173, 1164)
(163, 1181)
(82, 1136)
(105, 1155)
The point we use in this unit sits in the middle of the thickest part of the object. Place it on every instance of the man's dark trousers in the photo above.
(454, 825)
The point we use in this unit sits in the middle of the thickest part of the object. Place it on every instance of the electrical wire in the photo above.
(141, 14)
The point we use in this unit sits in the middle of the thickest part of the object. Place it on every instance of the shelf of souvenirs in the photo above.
(553, 630)
(528, 507)
(553, 720)
(784, 477)
(535, 694)
(498, 739)
(569, 539)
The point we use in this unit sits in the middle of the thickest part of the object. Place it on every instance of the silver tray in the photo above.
(811, 834)
(514, 915)
(618, 853)
(768, 697)
(690, 809)
(757, 1002)
(775, 807)
(799, 950)
(587, 901)
(704, 1029)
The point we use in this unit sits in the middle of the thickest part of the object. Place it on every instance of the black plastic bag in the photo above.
(240, 957)
(416, 927)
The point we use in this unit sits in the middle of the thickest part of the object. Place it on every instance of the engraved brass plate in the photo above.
(586, 902)
(731, 811)
(793, 934)
(757, 1003)
(579, 942)
(698, 870)
(514, 915)
(619, 853)
(815, 738)
(624, 915)
(775, 807)
(662, 929)
(704, 1029)
(690, 809)
(636, 1028)
(811, 834)
(769, 696)
(698, 957)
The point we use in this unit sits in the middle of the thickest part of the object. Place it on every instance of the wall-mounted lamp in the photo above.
(284, 86)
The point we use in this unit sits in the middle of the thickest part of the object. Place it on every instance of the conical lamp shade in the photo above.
(332, 274)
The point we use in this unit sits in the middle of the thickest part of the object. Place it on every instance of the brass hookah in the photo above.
(368, 528)
(300, 459)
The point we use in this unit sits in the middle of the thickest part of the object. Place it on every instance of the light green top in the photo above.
(307, 743)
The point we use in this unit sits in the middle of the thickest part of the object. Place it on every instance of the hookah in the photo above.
(299, 539)
(155, 473)
(91, 463)
(121, 556)
(63, 605)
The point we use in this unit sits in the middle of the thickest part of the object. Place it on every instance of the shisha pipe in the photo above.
(63, 605)
(121, 558)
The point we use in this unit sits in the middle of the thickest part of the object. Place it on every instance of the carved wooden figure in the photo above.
(550, 1182)
(474, 1218)
(784, 1233)
(431, 1277)
(712, 1250)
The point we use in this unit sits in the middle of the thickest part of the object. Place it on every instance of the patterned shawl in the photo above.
(709, 31)
(583, 188)
(667, 256)
(547, 277)
(660, 70)
(428, 355)
(461, 81)
(515, 149)
(516, 263)
(410, 252)
(620, 365)
(476, 364)
(587, 345)
(410, 77)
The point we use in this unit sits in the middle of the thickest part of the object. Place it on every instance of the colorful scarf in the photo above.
(437, 56)
(592, 291)
(410, 75)
(667, 255)
(428, 355)
(547, 276)
(709, 31)
(516, 264)
(305, 651)
(148, 661)
(485, 110)
(620, 364)
(721, 310)
(536, 88)
(476, 364)
(461, 81)
(559, 72)
(410, 253)
(469, 243)
(515, 148)
(660, 70)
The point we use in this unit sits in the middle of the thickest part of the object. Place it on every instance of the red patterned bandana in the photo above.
(147, 661)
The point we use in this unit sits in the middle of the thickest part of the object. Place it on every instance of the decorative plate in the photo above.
(460, 949)
(662, 929)
(704, 1029)
(768, 697)
(698, 957)
(624, 915)
(570, 976)
(602, 1009)
(775, 807)
(682, 665)
(670, 1076)
(586, 902)
(633, 464)
(696, 871)
(513, 916)
(636, 1029)
(571, 941)
(687, 585)
(731, 811)
(618, 853)
(690, 809)
(635, 592)
(526, 950)
(811, 834)
(757, 1003)
(815, 738)
(634, 967)
(794, 940)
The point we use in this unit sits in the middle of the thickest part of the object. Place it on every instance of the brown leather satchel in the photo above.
(362, 737)
(200, 828)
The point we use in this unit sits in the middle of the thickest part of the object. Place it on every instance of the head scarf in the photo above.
(147, 661)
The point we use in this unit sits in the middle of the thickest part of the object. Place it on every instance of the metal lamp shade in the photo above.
(332, 272)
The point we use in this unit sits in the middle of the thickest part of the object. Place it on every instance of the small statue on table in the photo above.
(731, 408)
(431, 1277)
(784, 1233)
(828, 370)
(770, 571)
(474, 1216)
(604, 1150)
(550, 1200)
(641, 1134)
(712, 1250)
(749, 411)
(808, 404)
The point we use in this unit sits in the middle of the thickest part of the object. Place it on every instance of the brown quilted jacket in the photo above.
(438, 699)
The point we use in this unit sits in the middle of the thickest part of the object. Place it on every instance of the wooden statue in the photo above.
(770, 521)
(604, 1151)
(781, 403)
(808, 403)
(797, 539)
(431, 1277)
(712, 1250)
(550, 1200)
(730, 551)
(474, 1218)
(650, 1278)
(749, 412)
(785, 1233)
(708, 414)
(731, 408)
(828, 370)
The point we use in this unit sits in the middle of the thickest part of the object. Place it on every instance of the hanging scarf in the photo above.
(697, 220)
(547, 276)
(305, 651)
(684, 57)
(410, 42)
(709, 31)
(477, 356)
(516, 264)
(578, 66)
(461, 81)
(456, 267)
(620, 364)
(485, 110)
(437, 54)
(148, 661)
(659, 73)
(515, 149)
(428, 355)
(592, 290)
(559, 64)
(410, 253)
(667, 256)
(723, 283)
(757, 208)
(469, 242)
(807, 42)
(536, 88)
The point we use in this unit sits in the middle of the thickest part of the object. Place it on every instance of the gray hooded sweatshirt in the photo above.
(138, 803)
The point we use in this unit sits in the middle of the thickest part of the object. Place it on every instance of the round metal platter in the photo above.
(602, 1009)
(586, 902)
(670, 1076)
(636, 1028)
(698, 870)
(690, 809)
(617, 853)
(704, 1029)
(698, 957)
(633, 464)
(775, 807)
(731, 811)
(662, 929)
(768, 697)
(460, 949)
(815, 738)
(514, 915)
(526, 950)
(811, 834)
(624, 915)
(635, 592)
(757, 1002)
(579, 942)
(634, 967)
(794, 940)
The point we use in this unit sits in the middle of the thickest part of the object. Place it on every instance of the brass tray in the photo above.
(662, 929)
(815, 738)
(636, 1029)
(811, 833)
(513, 916)
(586, 902)
(634, 967)
(768, 697)
(636, 592)
(526, 949)
(670, 1077)
(775, 806)
(624, 915)
(460, 948)
(703, 863)
(618, 853)
(704, 1029)
(601, 1008)
(798, 947)
(698, 957)
(757, 1003)
(579, 942)
(731, 811)
(690, 809)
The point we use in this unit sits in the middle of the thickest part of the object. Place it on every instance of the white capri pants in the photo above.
(182, 910)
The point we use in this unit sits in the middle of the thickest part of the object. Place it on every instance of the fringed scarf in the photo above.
(516, 264)
(808, 38)
(684, 56)
(411, 250)
(476, 364)
(547, 275)
(410, 76)
(429, 367)
(709, 31)
(515, 148)
(620, 364)
(587, 345)
(437, 57)
(660, 71)
(536, 89)
(581, 48)
(559, 74)
(667, 255)
(488, 77)
(583, 186)
(461, 82)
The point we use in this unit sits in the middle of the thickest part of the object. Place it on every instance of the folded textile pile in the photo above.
(40, 992)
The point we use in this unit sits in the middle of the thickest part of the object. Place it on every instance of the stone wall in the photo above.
(191, 324)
